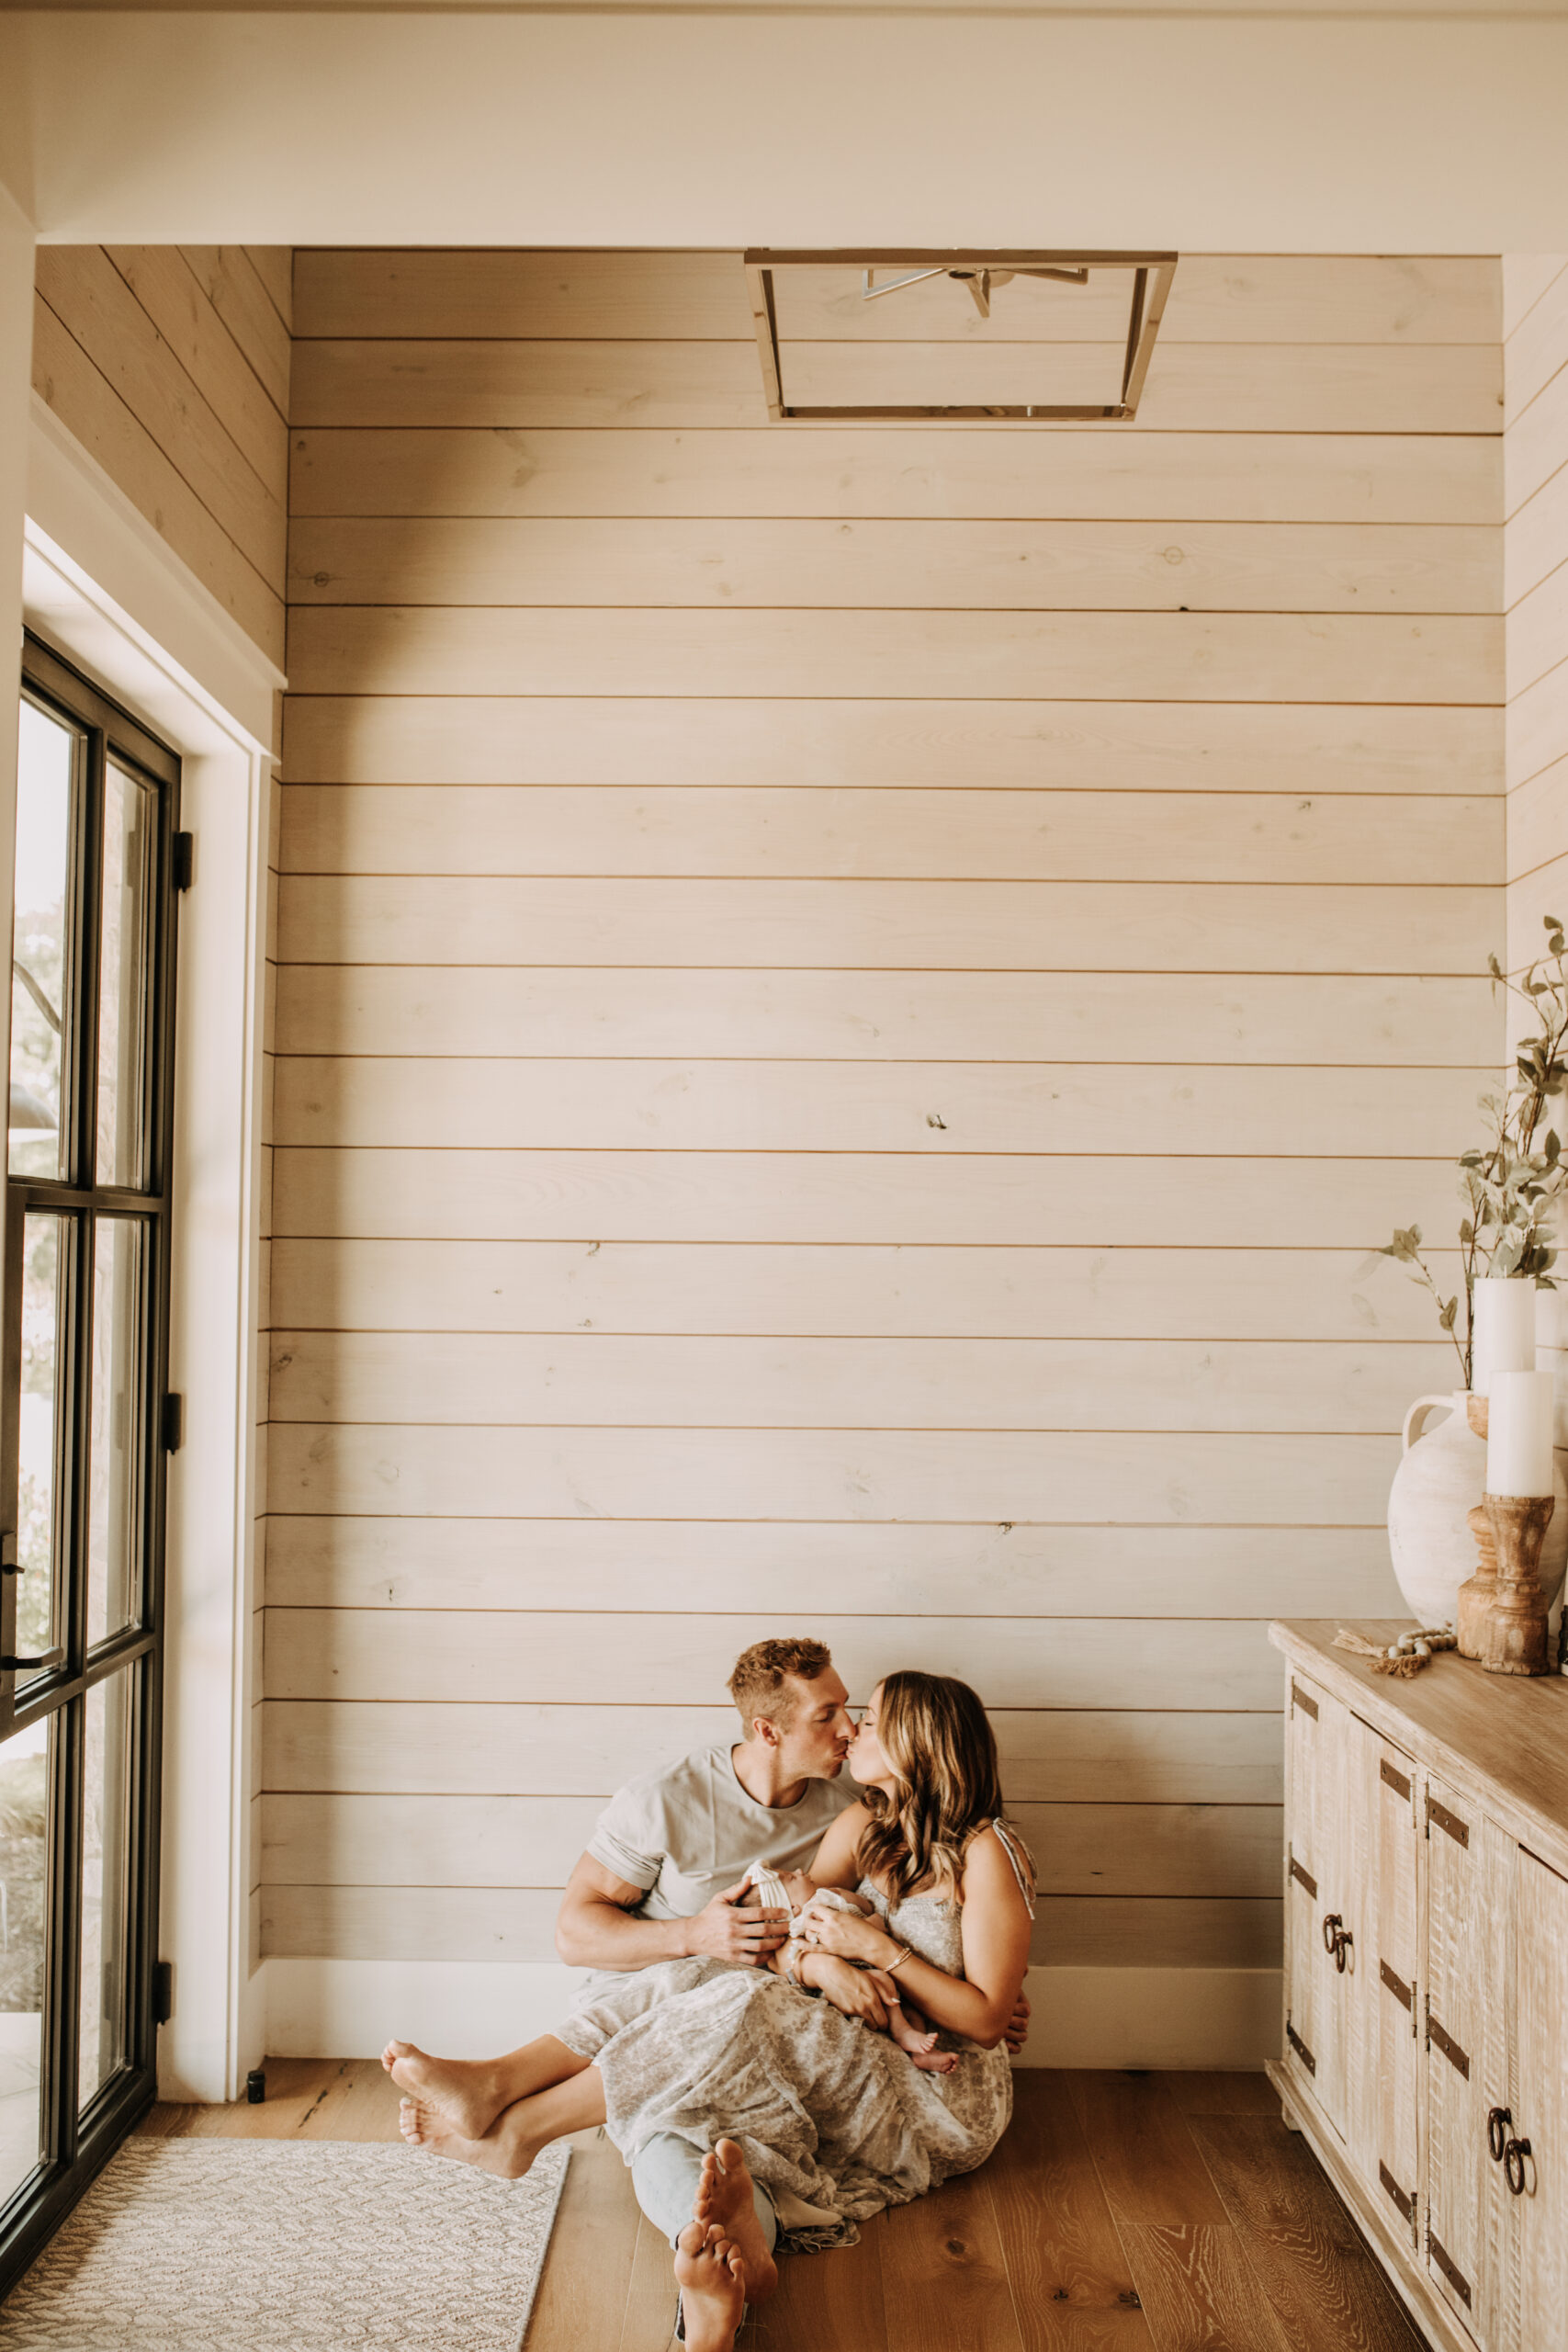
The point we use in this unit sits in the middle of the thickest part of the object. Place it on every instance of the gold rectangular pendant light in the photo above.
(807, 310)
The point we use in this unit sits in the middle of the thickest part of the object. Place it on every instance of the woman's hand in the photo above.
(840, 1933)
(859, 1992)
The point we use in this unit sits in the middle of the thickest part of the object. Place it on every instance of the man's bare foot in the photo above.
(711, 2274)
(466, 2092)
(506, 2155)
(724, 2196)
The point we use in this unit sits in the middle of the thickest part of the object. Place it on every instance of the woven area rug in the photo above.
(224, 2245)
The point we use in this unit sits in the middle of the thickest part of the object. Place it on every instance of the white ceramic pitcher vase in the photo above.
(1437, 1483)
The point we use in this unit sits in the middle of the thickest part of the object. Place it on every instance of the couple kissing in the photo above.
(802, 1993)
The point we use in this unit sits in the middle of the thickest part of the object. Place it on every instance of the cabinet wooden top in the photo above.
(1504, 1735)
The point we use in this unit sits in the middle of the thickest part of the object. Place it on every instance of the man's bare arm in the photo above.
(594, 1928)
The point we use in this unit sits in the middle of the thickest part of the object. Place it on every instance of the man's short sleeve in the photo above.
(629, 1837)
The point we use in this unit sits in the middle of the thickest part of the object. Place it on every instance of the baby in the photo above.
(766, 1891)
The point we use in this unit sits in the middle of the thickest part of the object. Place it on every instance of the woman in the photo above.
(829, 2122)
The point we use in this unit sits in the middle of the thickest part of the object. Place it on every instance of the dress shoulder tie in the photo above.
(1011, 1849)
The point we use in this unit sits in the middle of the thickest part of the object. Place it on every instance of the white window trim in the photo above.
(100, 585)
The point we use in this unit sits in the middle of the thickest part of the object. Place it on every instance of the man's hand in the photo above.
(859, 1992)
(1017, 2032)
(722, 1931)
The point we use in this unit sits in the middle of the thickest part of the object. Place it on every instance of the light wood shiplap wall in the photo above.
(851, 1002)
(1535, 543)
(170, 364)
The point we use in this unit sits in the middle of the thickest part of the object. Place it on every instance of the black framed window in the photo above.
(82, 1465)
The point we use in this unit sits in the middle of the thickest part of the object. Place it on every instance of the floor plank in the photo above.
(1147, 2158)
(1223, 2094)
(583, 2294)
(1321, 2282)
(649, 2323)
(943, 2256)
(312, 2099)
(1072, 2286)
(832, 2302)
(1253, 2094)
(1199, 2290)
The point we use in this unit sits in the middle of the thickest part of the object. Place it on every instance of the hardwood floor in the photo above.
(1121, 2213)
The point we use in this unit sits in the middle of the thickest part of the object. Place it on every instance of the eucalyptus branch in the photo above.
(1513, 1184)
(1406, 1247)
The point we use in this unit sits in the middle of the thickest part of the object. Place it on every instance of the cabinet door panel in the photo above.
(1540, 2104)
(1386, 2010)
(1317, 1872)
(1470, 1876)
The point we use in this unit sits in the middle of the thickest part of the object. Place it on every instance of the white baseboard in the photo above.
(1083, 2017)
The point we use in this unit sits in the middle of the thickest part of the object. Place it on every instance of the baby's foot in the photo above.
(902, 2029)
(712, 2278)
(466, 2093)
(935, 2062)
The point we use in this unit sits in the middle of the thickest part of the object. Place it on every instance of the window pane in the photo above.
(114, 1514)
(129, 818)
(105, 1859)
(24, 1824)
(46, 757)
(44, 1288)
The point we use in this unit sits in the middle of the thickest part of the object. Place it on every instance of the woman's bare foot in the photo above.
(724, 2197)
(467, 2093)
(507, 2155)
(711, 2274)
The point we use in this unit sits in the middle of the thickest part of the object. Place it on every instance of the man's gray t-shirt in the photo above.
(686, 1833)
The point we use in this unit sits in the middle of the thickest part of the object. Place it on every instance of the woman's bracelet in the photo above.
(907, 1953)
(794, 1958)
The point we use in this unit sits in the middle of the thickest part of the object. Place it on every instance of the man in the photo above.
(664, 1874)
(665, 1869)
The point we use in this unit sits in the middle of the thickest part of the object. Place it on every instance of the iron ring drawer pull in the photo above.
(1514, 2156)
(1496, 2136)
(1342, 1944)
(1332, 1923)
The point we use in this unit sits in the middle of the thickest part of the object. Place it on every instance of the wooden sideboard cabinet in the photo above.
(1426, 2037)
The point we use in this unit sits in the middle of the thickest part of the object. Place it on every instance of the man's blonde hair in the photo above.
(758, 1683)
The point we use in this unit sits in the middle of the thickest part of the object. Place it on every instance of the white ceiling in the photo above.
(713, 126)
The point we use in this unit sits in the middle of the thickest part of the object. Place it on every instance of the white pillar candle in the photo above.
(1503, 1338)
(1519, 1431)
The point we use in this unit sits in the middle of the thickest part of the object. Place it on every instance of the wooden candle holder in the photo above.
(1475, 1595)
(1513, 1632)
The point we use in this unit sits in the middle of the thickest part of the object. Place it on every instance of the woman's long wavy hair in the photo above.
(933, 1732)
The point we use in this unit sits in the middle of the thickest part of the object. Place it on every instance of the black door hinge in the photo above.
(163, 1991)
(183, 861)
(174, 1423)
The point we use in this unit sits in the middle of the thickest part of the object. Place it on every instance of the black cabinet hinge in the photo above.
(183, 861)
(163, 1991)
(174, 1423)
